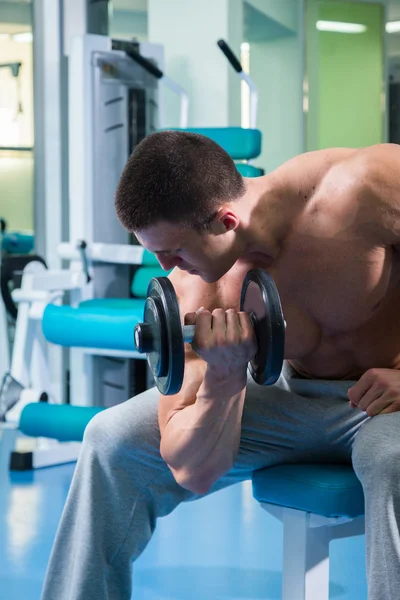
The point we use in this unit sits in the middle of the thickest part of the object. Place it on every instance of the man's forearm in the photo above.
(201, 441)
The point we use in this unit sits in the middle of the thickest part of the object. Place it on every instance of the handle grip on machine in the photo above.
(82, 247)
(145, 63)
(230, 55)
(153, 70)
(233, 60)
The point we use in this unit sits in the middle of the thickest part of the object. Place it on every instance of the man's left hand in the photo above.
(377, 392)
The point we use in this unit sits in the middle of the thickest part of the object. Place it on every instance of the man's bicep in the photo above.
(192, 292)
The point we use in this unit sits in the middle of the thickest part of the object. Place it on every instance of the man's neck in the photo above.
(268, 215)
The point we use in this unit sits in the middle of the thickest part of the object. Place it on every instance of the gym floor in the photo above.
(222, 547)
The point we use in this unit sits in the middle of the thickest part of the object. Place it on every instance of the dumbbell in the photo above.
(162, 337)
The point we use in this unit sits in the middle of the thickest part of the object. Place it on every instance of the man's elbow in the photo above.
(198, 483)
(200, 487)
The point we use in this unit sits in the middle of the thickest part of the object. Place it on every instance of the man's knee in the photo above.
(129, 427)
(98, 432)
(376, 449)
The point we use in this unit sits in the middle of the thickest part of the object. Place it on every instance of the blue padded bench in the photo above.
(241, 144)
(316, 504)
(17, 243)
(247, 170)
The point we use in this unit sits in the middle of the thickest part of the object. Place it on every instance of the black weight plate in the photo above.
(10, 277)
(167, 360)
(157, 357)
(260, 299)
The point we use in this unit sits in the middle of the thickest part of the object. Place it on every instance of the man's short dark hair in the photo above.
(176, 176)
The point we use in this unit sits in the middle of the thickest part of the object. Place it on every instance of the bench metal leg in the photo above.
(305, 558)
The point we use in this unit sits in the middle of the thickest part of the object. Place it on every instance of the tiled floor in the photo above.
(222, 547)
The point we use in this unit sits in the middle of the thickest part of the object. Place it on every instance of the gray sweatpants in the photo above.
(121, 484)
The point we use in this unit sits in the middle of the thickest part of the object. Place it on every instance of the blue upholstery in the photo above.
(102, 323)
(239, 143)
(248, 170)
(61, 422)
(18, 243)
(327, 490)
(106, 305)
(149, 259)
(142, 277)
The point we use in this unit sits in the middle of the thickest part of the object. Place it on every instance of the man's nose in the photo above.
(169, 262)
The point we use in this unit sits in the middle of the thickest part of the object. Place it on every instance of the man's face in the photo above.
(206, 254)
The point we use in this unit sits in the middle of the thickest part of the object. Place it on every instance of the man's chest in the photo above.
(339, 283)
(341, 303)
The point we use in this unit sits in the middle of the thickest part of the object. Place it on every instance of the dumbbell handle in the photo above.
(188, 333)
(143, 335)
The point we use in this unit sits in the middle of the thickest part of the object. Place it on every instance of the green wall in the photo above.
(345, 75)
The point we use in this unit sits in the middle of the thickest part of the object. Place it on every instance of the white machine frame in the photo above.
(29, 372)
(91, 176)
(4, 341)
(30, 365)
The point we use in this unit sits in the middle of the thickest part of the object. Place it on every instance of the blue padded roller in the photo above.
(104, 324)
(239, 143)
(323, 489)
(57, 421)
(18, 243)
(142, 277)
(106, 305)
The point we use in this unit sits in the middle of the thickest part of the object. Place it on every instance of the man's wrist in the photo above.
(225, 376)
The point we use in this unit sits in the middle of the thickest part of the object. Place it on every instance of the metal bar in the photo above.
(188, 333)
(47, 119)
(17, 148)
(253, 98)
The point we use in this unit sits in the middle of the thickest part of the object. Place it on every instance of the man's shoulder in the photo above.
(372, 165)
(304, 174)
(364, 190)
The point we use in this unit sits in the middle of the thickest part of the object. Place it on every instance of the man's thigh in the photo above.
(297, 421)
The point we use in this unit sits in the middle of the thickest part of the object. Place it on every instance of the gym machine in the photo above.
(15, 253)
(100, 254)
(113, 104)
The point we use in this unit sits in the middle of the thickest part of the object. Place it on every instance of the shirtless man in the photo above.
(326, 225)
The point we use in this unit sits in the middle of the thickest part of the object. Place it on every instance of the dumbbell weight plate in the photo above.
(160, 336)
(167, 356)
(260, 299)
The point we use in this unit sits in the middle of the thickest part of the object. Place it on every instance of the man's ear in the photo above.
(225, 220)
